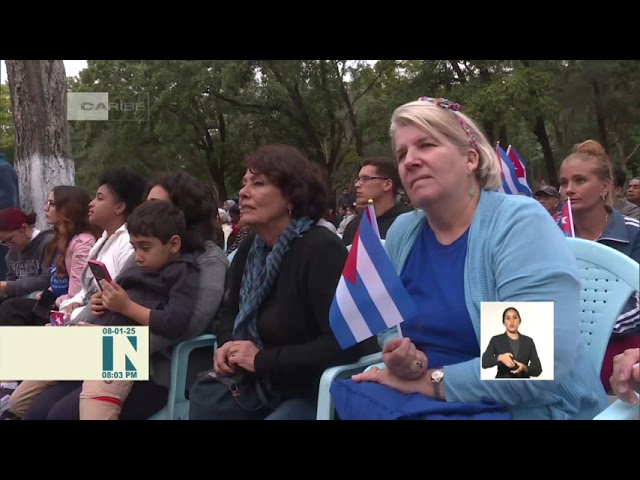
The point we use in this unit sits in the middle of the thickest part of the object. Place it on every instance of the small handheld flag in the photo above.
(520, 168)
(370, 297)
(510, 182)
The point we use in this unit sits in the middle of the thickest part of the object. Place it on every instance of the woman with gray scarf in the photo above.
(274, 325)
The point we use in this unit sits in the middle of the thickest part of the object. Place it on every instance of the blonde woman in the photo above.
(464, 245)
(586, 177)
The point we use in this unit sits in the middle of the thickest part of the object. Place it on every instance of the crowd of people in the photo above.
(261, 271)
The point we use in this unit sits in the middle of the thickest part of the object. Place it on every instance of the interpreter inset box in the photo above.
(516, 340)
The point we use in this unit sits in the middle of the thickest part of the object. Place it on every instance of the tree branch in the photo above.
(246, 105)
(456, 68)
(371, 85)
(632, 153)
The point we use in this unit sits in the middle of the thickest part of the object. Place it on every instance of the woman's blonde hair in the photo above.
(592, 151)
(439, 121)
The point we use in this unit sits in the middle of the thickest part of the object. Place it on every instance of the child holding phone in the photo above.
(99, 271)
(158, 291)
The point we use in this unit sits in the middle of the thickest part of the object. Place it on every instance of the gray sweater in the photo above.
(26, 274)
(213, 265)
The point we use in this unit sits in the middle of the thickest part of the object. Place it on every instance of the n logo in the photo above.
(118, 351)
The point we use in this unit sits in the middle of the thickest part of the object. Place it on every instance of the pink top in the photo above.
(75, 260)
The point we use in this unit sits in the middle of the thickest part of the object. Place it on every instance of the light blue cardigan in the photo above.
(516, 253)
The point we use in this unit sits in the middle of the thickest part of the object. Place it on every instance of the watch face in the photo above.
(437, 375)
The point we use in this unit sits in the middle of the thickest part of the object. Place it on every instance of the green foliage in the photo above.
(204, 116)
(7, 133)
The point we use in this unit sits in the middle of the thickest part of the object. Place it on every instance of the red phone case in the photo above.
(100, 271)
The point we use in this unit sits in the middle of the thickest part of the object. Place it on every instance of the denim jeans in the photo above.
(294, 409)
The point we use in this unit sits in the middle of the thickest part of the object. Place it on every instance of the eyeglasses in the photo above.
(48, 204)
(8, 243)
(365, 178)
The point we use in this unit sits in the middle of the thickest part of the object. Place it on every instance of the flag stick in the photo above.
(374, 222)
(573, 228)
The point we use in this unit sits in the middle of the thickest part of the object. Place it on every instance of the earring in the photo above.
(604, 198)
(472, 192)
(117, 213)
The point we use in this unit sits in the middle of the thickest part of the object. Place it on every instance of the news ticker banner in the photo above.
(74, 353)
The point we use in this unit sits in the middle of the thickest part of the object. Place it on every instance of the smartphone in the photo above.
(99, 271)
(43, 306)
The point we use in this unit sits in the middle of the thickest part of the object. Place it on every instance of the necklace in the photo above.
(606, 222)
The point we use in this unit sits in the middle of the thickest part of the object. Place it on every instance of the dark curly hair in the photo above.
(299, 179)
(199, 207)
(127, 185)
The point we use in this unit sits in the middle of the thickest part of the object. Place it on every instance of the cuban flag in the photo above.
(566, 220)
(510, 183)
(370, 297)
(520, 168)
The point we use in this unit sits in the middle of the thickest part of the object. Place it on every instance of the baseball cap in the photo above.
(548, 190)
(12, 219)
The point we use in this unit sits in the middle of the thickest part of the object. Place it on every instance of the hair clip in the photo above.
(444, 103)
(454, 107)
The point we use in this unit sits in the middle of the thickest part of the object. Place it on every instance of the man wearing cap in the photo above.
(8, 199)
(549, 197)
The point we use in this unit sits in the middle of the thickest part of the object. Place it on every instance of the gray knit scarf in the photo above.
(260, 273)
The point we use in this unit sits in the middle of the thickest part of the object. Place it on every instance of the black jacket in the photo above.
(527, 354)
(293, 321)
(384, 222)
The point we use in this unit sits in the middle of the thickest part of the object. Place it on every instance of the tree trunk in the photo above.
(43, 147)
(540, 132)
(503, 137)
(600, 116)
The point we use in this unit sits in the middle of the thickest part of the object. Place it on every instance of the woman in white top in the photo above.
(120, 191)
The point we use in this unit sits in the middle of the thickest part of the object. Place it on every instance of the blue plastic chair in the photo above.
(608, 279)
(177, 407)
(326, 407)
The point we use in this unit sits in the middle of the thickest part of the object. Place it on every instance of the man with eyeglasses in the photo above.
(377, 180)
(9, 198)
